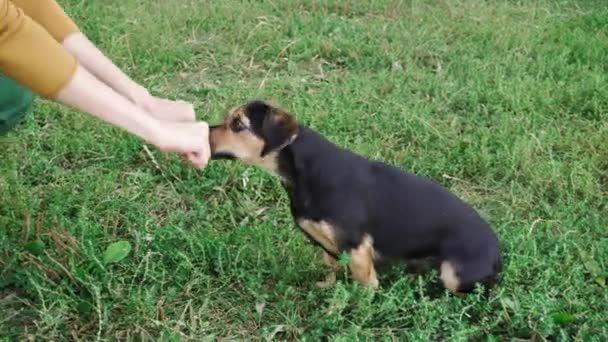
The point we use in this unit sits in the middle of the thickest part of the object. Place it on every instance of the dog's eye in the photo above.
(237, 125)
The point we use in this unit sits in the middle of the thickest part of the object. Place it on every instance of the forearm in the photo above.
(50, 15)
(86, 93)
(56, 74)
(34, 58)
(79, 46)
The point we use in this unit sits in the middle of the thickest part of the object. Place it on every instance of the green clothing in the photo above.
(15, 102)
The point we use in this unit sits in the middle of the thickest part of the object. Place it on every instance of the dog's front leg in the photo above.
(330, 278)
(361, 264)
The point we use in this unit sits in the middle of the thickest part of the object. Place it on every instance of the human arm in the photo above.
(94, 60)
(51, 16)
(30, 56)
(87, 93)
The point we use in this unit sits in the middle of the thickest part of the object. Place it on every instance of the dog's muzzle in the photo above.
(222, 155)
(218, 155)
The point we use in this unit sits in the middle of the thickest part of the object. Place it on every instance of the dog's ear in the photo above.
(279, 129)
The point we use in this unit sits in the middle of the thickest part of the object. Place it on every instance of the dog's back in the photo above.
(436, 223)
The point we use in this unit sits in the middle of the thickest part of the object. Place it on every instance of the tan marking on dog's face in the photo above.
(449, 277)
(322, 232)
(242, 144)
(361, 263)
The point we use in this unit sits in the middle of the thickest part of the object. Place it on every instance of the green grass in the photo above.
(505, 103)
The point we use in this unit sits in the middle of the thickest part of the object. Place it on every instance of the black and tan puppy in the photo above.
(346, 203)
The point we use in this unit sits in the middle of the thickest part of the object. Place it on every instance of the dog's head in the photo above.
(253, 133)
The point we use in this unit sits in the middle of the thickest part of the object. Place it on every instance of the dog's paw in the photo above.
(330, 279)
(373, 283)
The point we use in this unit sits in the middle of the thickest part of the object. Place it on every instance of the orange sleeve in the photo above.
(30, 55)
(50, 15)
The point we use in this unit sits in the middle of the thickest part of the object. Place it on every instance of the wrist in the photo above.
(86, 93)
(137, 94)
(151, 130)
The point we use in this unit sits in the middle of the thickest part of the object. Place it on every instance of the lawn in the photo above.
(505, 103)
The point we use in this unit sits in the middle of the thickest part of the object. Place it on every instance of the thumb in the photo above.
(197, 159)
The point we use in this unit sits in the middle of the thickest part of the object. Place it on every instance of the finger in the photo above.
(207, 151)
(180, 110)
(203, 154)
(176, 111)
(186, 111)
(205, 157)
(196, 160)
(192, 159)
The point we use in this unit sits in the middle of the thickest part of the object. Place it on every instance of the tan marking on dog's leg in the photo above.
(330, 261)
(362, 264)
(330, 278)
(322, 232)
(449, 277)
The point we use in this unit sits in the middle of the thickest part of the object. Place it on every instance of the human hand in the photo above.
(163, 109)
(188, 138)
(169, 110)
(87, 93)
(172, 111)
